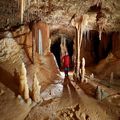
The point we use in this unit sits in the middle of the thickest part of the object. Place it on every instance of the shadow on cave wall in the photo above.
(9, 81)
(93, 49)
(101, 48)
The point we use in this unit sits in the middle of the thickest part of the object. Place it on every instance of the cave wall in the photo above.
(116, 44)
(103, 56)
(45, 35)
(9, 13)
(45, 66)
(95, 50)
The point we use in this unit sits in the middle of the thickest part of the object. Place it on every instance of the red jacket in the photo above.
(66, 60)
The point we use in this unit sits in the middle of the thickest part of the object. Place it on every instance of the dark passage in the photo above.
(101, 48)
(56, 50)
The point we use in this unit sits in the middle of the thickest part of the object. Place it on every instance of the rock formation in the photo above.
(80, 25)
(36, 89)
(23, 85)
(83, 70)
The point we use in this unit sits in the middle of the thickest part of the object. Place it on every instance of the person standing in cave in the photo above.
(66, 63)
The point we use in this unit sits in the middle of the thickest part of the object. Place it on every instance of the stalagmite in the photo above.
(36, 89)
(23, 86)
(92, 76)
(26, 91)
(83, 70)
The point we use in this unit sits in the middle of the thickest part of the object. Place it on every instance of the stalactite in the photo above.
(22, 10)
(101, 22)
(40, 42)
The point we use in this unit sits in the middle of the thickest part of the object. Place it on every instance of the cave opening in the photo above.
(56, 50)
(96, 43)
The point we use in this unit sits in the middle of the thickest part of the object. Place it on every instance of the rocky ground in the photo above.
(60, 102)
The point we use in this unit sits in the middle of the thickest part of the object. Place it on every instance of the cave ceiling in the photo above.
(60, 12)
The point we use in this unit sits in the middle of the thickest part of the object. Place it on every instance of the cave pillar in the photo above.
(80, 25)
(78, 52)
(83, 70)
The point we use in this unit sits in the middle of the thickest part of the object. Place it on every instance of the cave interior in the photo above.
(35, 37)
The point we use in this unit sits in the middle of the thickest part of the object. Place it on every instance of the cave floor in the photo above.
(61, 102)
(67, 101)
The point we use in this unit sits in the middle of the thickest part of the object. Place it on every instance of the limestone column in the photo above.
(80, 25)
(83, 70)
